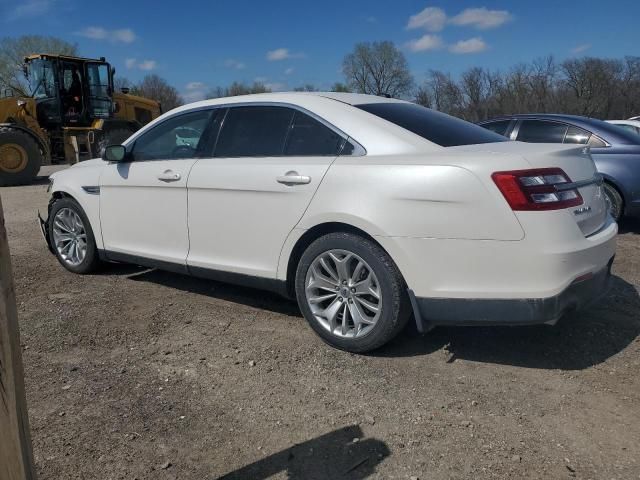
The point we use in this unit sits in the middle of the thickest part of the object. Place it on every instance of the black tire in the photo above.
(614, 201)
(395, 310)
(114, 136)
(91, 260)
(15, 142)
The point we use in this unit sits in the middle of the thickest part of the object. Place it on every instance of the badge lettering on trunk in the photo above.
(581, 210)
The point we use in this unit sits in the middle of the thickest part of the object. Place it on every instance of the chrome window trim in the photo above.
(361, 151)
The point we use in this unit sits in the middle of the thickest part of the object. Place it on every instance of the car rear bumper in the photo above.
(432, 312)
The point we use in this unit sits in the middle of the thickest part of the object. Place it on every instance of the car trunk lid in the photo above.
(576, 162)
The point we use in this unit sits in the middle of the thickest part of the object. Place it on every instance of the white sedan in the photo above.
(367, 210)
(631, 125)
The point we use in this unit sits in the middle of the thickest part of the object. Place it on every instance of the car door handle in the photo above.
(169, 176)
(292, 178)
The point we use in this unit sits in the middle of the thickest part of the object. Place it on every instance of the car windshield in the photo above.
(437, 127)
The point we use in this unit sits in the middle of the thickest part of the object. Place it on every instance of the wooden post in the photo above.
(16, 456)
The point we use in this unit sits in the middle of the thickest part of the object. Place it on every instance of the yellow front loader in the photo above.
(73, 112)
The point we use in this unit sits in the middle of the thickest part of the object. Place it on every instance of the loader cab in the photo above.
(70, 91)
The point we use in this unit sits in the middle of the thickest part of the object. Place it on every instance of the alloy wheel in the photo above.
(343, 293)
(69, 236)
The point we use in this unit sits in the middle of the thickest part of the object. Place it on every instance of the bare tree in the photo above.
(340, 87)
(155, 87)
(378, 68)
(121, 82)
(238, 88)
(13, 51)
(306, 88)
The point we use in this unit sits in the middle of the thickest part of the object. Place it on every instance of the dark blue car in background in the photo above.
(615, 151)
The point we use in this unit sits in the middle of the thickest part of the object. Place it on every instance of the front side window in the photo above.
(541, 131)
(259, 131)
(437, 127)
(309, 137)
(41, 79)
(99, 89)
(178, 137)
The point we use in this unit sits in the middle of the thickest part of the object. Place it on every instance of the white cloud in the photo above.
(481, 18)
(282, 54)
(145, 65)
(581, 48)
(195, 86)
(473, 45)
(122, 35)
(30, 8)
(260, 79)
(371, 19)
(424, 43)
(431, 19)
(289, 71)
(235, 64)
(195, 91)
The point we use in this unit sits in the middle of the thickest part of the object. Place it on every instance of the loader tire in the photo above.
(20, 157)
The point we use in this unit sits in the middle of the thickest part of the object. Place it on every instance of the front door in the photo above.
(143, 201)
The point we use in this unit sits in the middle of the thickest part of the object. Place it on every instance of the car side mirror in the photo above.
(114, 153)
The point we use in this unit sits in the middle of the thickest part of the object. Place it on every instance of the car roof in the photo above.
(293, 97)
(607, 131)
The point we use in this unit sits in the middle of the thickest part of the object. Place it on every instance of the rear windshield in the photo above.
(437, 127)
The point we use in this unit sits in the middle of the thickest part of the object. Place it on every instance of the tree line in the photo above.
(595, 87)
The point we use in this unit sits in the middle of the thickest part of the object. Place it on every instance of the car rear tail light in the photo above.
(538, 189)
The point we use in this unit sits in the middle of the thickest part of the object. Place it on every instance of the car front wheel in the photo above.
(71, 237)
(351, 292)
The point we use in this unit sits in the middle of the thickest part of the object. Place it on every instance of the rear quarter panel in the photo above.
(429, 196)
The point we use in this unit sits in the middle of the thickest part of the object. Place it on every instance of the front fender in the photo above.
(82, 183)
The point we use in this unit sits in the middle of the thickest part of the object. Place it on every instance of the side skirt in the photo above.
(261, 283)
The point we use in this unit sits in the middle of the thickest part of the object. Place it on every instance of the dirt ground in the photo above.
(138, 374)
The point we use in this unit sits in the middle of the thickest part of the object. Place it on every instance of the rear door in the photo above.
(268, 163)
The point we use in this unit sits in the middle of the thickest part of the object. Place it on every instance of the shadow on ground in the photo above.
(333, 455)
(580, 340)
(629, 225)
(243, 295)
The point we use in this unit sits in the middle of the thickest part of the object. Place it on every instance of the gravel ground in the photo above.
(139, 374)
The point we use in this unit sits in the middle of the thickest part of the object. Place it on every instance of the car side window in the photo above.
(541, 131)
(309, 137)
(499, 127)
(258, 131)
(596, 142)
(175, 138)
(577, 135)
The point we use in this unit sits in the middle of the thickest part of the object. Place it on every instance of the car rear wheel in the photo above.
(614, 201)
(351, 292)
(71, 237)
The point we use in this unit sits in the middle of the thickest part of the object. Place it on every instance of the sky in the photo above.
(198, 44)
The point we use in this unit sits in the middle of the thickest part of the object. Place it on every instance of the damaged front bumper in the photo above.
(44, 230)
